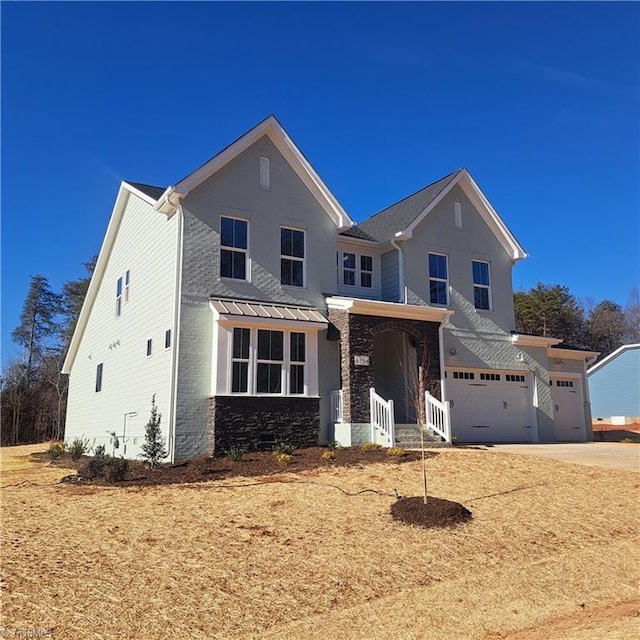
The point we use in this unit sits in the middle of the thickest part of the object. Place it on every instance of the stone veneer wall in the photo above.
(357, 333)
(259, 422)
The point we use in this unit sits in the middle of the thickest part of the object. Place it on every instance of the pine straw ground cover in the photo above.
(552, 551)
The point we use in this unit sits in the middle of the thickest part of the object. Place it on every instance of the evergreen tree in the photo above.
(550, 311)
(153, 449)
(73, 294)
(39, 327)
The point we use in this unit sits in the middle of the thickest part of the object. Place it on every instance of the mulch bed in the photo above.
(436, 513)
(260, 463)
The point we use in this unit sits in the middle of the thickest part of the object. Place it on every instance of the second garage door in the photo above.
(490, 406)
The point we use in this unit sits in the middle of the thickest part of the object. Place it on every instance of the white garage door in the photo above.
(489, 406)
(566, 395)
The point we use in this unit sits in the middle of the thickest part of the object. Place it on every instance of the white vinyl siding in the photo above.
(146, 246)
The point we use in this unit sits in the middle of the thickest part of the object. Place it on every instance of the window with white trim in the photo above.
(349, 268)
(438, 279)
(119, 296)
(481, 285)
(126, 285)
(149, 346)
(297, 357)
(233, 248)
(167, 338)
(265, 361)
(292, 257)
(99, 377)
(366, 271)
(240, 360)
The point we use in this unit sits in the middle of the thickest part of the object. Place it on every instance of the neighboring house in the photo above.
(250, 304)
(614, 384)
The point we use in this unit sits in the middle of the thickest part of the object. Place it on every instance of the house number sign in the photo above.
(361, 361)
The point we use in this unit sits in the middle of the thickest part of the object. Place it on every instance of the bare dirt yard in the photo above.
(552, 550)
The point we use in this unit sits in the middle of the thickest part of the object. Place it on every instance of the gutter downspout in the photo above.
(175, 351)
(401, 280)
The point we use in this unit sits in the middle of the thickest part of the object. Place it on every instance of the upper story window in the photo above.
(119, 297)
(348, 268)
(366, 271)
(438, 279)
(233, 251)
(292, 256)
(481, 285)
(127, 278)
(167, 338)
(357, 270)
(149, 346)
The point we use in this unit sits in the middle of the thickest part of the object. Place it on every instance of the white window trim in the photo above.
(170, 335)
(149, 348)
(294, 258)
(436, 279)
(127, 281)
(310, 390)
(482, 286)
(247, 259)
(357, 271)
(119, 297)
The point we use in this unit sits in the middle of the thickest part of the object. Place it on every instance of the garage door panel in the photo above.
(492, 410)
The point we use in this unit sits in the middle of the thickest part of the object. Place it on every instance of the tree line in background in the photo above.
(33, 394)
(34, 391)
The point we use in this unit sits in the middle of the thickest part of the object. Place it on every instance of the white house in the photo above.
(256, 311)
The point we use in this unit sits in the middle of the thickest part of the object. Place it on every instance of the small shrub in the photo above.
(56, 450)
(78, 448)
(235, 454)
(454, 440)
(371, 446)
(283, 447)
(116, 470)
(153, 449)
(92, 468)
(100, 452)
(333, 445)
(283, 458)
(397, 452)
(329, 455)
(627, 440)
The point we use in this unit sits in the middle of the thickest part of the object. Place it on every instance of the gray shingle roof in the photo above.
(152, 192)
(383, 225)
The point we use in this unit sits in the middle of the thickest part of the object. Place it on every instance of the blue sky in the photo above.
(540, 101)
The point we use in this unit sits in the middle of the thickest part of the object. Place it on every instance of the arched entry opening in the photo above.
(395, 372)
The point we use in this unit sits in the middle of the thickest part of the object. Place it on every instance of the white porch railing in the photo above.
(438, 416)
(382, 419)
(336, 406)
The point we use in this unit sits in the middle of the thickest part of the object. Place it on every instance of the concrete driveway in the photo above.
(610, 455)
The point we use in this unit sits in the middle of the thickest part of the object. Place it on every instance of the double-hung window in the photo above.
(297, 357)
(481, 285)
(269, 361)
(119, 297)
(292, 255)
(240, 360)
(348, 268)
(127, 279)
(438, 279)
(233, 248)
(366, 271)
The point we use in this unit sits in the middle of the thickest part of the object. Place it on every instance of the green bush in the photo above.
(371, 446)
(78, 448)
(333, 445)
(235, 454)
(283, 447)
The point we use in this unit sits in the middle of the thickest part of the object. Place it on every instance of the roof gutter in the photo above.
(169, 201)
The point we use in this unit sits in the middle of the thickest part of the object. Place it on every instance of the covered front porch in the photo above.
(391, 371)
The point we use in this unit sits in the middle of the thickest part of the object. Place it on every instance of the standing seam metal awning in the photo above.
(267, 311)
